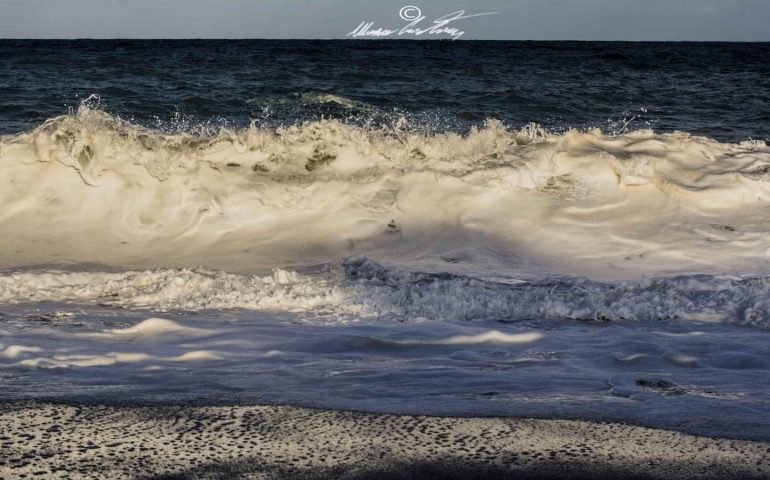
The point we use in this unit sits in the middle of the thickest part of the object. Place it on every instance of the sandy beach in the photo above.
(45, 440)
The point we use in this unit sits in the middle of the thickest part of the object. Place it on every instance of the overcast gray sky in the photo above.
(745, 20)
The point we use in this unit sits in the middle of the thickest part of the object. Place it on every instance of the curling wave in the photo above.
(496, 201)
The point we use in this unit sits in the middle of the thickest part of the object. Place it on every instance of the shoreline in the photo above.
(66, 440)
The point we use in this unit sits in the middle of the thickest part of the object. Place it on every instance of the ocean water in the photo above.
(550, 229)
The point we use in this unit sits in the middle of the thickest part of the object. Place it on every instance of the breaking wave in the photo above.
(89, 187)
(359, 289)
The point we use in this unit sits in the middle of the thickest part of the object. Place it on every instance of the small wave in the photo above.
(154, 327)
(360, 289)
(324, 98)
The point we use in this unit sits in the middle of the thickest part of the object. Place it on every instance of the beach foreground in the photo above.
(44, 440)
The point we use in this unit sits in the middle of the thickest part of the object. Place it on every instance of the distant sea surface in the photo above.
(720, 90)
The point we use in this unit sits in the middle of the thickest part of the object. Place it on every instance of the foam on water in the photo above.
(359, 289)
(672, 374)
(90, 187)
(155, 327)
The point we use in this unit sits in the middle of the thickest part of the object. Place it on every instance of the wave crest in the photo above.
(91, 187)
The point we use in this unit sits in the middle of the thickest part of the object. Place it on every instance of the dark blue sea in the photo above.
(720, 90)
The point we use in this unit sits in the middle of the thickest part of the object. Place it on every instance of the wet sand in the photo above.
(44, 440)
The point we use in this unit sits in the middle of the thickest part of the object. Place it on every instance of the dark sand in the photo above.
(43, 440)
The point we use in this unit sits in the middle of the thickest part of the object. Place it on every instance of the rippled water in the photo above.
(716, 89)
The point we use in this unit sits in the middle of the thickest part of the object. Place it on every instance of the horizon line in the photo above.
(447, 40)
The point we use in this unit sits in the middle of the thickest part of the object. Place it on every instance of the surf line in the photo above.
(414, 16)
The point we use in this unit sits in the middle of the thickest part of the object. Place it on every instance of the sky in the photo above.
(738, 20)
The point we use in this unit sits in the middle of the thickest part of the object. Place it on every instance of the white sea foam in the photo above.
(359, 289)
(13, 351)
(89, 187)
(110, 359)
(155, 327)
(492, 336)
